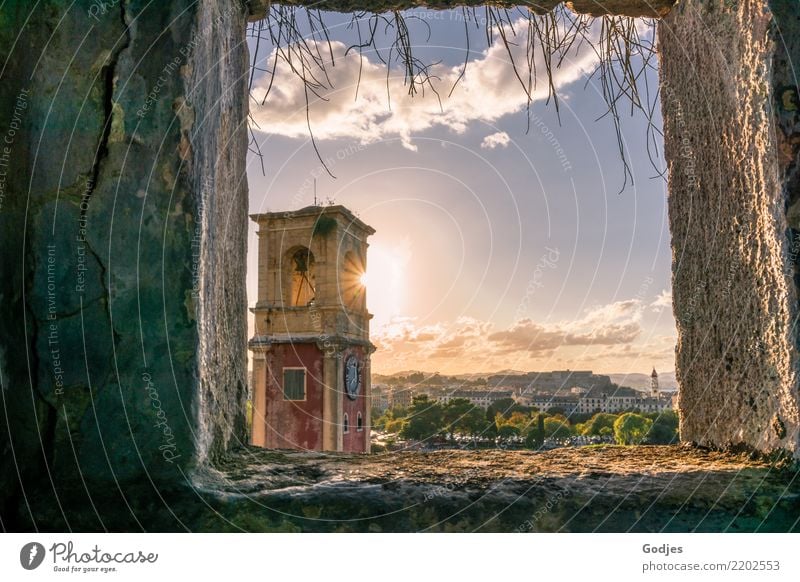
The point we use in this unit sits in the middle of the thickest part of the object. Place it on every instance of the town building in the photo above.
(380, 398)
(613, 404)
(311, 346)
(546, 403)
(480, 398)
(401, 397)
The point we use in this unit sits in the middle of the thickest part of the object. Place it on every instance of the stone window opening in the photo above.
(359, 423)
(303, 274)
(621, 23)
(752, 401)
(346, 424)
(353, 291)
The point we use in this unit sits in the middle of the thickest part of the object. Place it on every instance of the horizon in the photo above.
(514, 373)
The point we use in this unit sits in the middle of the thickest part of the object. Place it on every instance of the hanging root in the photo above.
(624, 48)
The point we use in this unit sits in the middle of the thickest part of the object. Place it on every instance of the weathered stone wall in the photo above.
(219, 137)
(125, 163)
(734, 294)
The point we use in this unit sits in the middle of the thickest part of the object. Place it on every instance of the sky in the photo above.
(501, 243)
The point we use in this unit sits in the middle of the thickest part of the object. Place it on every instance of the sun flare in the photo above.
(386, 281)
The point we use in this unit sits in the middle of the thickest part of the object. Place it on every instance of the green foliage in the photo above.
(460, 416)
(506, 407)
(557, 427)
(389, 420)
(507, 431)
(535, 438)
(631, 428)
(519, 421)
(394, 425)
(580, 417)
(425, 419)
(664, 430)
(598, 422)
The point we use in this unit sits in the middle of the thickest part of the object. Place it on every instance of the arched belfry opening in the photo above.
(302, 271)
(123, 221)
(351, 282)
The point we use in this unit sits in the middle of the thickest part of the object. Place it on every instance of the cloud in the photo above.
(663, 300)
(499, 139)
(367, 112)
(613, 324)
(468, 341)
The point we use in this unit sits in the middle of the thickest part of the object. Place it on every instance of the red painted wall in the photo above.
(354, 441)
(294, 424)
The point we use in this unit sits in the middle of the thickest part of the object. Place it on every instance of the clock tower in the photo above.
(311, 348)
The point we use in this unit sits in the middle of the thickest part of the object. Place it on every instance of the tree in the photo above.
(664, 430)
(558, 428)
(507, 432)
(535, 438)
(394, 425)
(460, 416)
(599, 421)
(521, 420)
(518, 420)
(631, 428)
(424, 420)
(506, 407)
(381, 422)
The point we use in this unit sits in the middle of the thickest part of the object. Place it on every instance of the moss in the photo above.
(324, 226)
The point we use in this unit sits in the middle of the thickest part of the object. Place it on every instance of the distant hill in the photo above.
(470, 376)
(666, 381)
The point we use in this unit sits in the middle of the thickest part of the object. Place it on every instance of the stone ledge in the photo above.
(604, 489)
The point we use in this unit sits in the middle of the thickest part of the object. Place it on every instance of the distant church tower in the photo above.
(311, 347)
(654, 392)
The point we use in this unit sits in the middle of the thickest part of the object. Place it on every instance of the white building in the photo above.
(545, 403)
(614, 404)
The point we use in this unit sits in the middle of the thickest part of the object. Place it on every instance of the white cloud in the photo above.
(346, 109)
(612, 324)
(444, 346)
(663, 300)
(499, 139)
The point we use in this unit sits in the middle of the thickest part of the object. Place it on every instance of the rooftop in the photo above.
(315, 211)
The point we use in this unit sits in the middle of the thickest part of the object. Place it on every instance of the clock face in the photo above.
(352, 382)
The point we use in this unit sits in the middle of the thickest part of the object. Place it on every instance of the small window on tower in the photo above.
(346, 424)
(359, 423)
(294, 383)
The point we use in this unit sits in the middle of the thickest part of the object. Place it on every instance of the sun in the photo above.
(386, 280)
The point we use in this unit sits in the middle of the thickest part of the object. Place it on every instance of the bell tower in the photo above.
(654, 391)
(311, 348)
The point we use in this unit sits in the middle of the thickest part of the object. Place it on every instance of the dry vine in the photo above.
(624, 57)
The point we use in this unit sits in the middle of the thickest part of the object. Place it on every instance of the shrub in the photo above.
(631, 428)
